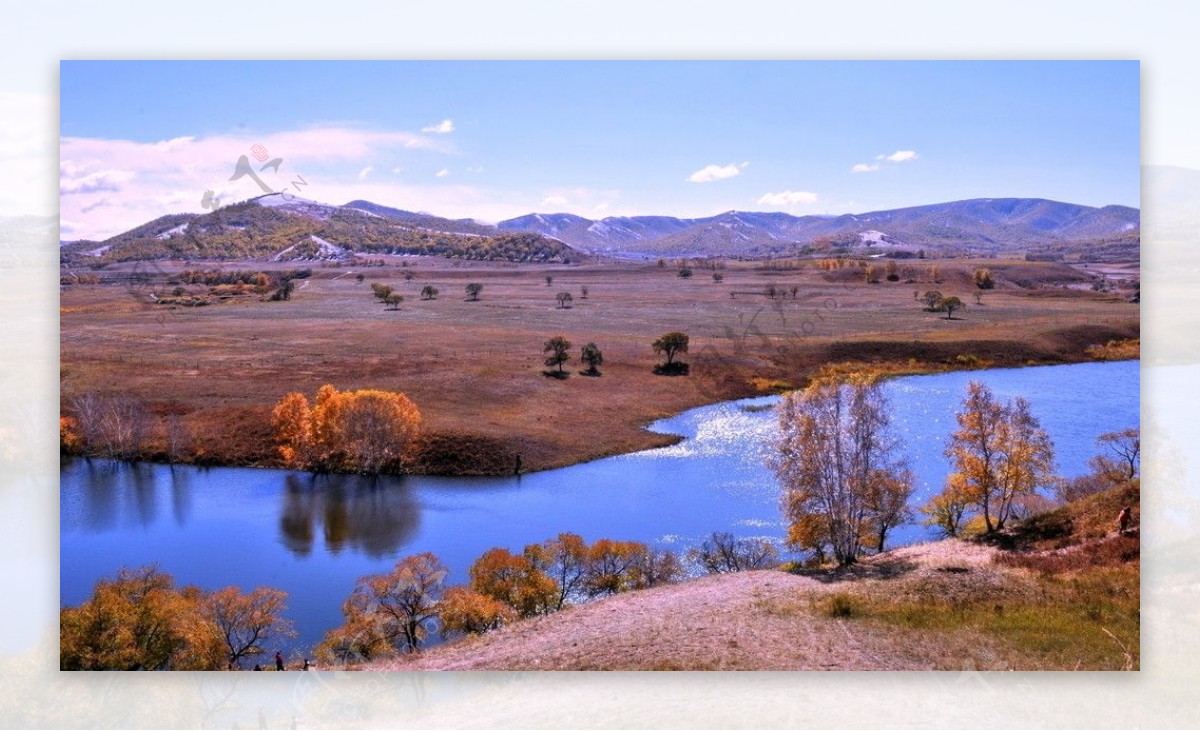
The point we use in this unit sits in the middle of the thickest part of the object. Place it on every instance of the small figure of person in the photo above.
(257, 666)
(278, 660)
(1124, 519)
(306, 664)
(517, 468)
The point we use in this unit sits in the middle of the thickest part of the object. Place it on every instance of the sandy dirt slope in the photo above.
(755, 620)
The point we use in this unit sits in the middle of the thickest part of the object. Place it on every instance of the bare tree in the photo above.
(723, 553)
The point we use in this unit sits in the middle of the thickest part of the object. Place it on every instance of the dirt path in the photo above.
(756, 620)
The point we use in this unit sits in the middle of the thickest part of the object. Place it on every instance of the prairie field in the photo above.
(475, 368)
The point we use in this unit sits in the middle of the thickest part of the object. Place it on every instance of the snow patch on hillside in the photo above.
(180, 229)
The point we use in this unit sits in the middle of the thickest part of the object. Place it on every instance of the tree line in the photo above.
(140, 620)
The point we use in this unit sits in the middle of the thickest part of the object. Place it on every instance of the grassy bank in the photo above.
(474, 368)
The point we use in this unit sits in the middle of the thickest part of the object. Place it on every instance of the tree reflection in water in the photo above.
(375, 515)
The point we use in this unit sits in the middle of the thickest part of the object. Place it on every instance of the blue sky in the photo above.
(492, 140)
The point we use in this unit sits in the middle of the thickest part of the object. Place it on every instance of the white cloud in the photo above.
(141, 181)
(444, 127)
(863, 167)
(709, 173)
(554, 200)
(788, 198)
(474, 168)
(396, 170)
(902, 156)
(101, 181)
(442, 173)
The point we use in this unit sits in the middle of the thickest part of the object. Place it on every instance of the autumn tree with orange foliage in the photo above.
(613, 567)
(141, 621)
(247, 621)
(367, 431)
(564, 559)
(388, 613)
(999, 452)
(469, 612)
(514, 580)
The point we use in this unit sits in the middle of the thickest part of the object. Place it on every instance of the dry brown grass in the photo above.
(474, 367)
(937, 606)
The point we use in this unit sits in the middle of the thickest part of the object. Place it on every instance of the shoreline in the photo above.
(655, 440)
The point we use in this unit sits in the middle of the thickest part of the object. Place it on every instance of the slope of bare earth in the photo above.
(754, 620)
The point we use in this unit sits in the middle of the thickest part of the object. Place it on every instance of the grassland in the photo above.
(475, 367)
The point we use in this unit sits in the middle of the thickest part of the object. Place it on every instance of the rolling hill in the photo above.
(287, 228)
(284, 226)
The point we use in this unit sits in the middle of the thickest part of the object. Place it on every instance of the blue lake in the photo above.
(312, 536)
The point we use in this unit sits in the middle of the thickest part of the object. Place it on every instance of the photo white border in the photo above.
(39, 36)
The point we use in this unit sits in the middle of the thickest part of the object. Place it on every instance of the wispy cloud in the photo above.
(140, 181)
(554, 200)
(101, 181)
(863, 167)
(442, 173)
(709, 173)
(788, 198)
(444, 127)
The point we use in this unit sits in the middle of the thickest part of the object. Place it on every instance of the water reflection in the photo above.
(370, 514)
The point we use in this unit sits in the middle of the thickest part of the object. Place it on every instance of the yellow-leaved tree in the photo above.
(845, 484)
(368, 431)
(999, 452)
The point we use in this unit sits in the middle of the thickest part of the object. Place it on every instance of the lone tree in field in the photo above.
(984, 279)
(836, 456)
(558, 348)
(564, 300)
(429, 292)
(393, 301)
(932, 300)
(593, 358)
(549, 280)
(999, 453)
(473, 290)
(583, 292)
(670, 345)
(718, 277)
(685, 273)
(381, 291)
(949, 305)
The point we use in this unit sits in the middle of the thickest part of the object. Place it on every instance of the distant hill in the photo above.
(286, 228)
(277, 226)
(982, 226)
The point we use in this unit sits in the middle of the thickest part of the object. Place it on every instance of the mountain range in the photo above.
(990, 225)
(284, 227)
